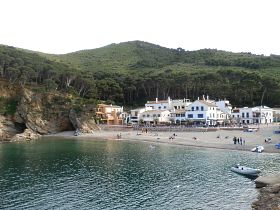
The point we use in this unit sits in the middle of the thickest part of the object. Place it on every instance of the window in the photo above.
(148, 115)
(159, 107)
(247, 114)
(158, 115)
(197, 108)
(202, 108)
(190, 115)
(154, 115)
(144, 115)
(243, 114)
(183, 115)
(164, 107)
(183, 107)
(175, 107)
(192, 108)
(248, 121)
(200, 116)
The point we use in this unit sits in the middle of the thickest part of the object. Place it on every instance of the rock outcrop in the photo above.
(269, 198)
(41, 114)
(269, 195)
(83, 121)
(27, 135)
(44, 113)
(7, 128)
(264, 181)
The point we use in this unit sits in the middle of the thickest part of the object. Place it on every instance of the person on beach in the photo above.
(234, 140)
(240, 139)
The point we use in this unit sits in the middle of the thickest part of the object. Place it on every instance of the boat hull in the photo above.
(245, 171)
(258, 149)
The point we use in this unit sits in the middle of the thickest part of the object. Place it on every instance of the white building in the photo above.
(178, 116)
(135, 114)
(206, 112)
(253, 115)
(168, 104)
(159, 104)
(225, 107)
(180, 104)
(155, 116)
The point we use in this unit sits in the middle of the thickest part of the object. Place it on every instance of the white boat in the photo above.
(258, 149)
(245, 170)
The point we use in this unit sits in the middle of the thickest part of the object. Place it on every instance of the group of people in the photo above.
(238, 140)
(172, 136)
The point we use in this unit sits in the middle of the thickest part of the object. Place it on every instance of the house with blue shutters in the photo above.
(205, 112)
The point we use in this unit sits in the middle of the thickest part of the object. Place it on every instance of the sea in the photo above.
(61, 173)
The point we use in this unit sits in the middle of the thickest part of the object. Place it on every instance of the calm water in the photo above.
(71, 174)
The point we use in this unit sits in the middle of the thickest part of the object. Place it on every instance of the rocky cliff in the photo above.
(43, 113)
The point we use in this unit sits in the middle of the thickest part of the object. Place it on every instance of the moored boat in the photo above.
(258, 149)
(244, 170)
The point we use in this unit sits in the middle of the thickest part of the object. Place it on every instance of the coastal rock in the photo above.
(269, 198)
(267, 180)
(43, 113)
(7, 128)
(269, 195)
(83, 120)
(27, 135)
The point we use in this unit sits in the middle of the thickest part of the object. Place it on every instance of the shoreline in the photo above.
(220, 139)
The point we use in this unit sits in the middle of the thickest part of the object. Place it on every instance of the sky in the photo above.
(63, 26)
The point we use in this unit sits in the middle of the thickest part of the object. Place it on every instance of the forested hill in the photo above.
(137, 55)
(132, 72)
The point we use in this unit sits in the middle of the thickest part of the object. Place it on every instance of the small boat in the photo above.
(277, 146)
(258, 149)
(247, 171)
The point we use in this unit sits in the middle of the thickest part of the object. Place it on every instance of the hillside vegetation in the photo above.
(132, 72)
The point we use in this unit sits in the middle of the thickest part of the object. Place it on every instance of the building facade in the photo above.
(110, 114)
(155, 117)
(204, 112)
(253, 115)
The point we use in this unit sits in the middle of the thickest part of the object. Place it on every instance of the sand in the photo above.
(221, 139)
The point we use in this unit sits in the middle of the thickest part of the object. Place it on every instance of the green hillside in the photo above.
(132, 72)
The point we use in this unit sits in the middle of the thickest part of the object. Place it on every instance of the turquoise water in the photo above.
(84, 174)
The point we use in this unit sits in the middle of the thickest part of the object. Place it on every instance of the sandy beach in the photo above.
(221, 139)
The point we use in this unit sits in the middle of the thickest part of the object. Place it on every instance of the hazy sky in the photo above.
(61, 26)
